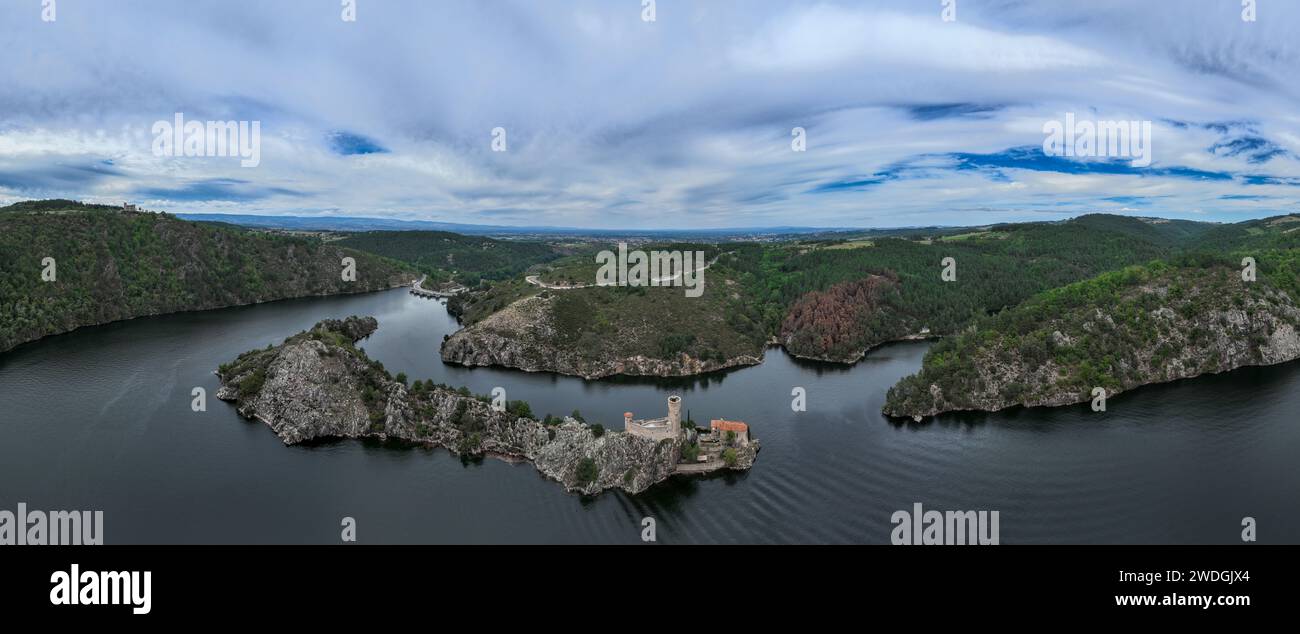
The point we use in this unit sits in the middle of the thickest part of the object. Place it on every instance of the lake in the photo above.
(100, 419)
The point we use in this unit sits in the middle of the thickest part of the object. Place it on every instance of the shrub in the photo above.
(519, 409)
(587, 471)
(469, 443)
(729, 457)
(252, 383)
(597, 430)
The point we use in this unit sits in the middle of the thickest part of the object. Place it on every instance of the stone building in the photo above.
(669, 426)
(721, 427)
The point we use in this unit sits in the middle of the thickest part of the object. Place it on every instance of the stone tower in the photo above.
(675, 414)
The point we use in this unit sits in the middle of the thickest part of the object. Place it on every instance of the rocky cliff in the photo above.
(319, 385)
(1116, 332)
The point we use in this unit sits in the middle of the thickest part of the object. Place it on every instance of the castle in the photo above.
(669, 426)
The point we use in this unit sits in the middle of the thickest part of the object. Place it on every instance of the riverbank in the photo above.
(116, 401)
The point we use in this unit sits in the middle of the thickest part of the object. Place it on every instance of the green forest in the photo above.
(105, 265)
(1200, 277)
(451, 257)
(834, 298)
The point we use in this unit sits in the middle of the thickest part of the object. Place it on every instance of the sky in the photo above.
(909, 116)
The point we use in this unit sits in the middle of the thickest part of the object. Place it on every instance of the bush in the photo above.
(519, 409)
(252, 383)
(469, 443)
(587, 471)
(729, 457)
(597, 430)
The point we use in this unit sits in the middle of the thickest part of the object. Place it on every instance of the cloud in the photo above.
(683, 122)
(217, 189)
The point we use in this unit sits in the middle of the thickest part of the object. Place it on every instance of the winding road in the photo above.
(654, 281)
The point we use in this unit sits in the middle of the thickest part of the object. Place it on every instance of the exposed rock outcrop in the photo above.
(1117, 332)
(319, 385)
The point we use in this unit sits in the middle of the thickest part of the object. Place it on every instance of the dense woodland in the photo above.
(838, 324)
(828, 299)
(446, 257)
(1200, 278)
(996, 267)
(813, 295)
(111, 265)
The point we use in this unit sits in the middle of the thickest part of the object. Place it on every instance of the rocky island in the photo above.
(319, 385)
(1142, 325)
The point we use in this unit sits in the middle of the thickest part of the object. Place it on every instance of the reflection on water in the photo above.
(100, 419)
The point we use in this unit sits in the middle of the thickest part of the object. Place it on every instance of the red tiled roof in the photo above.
(728, 425)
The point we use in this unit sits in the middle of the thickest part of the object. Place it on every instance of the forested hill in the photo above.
(1120, 330)
(809, 291)
(1197, 311)
(109, 265)
(447, 256)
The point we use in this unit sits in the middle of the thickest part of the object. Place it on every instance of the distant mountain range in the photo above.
(352, 223)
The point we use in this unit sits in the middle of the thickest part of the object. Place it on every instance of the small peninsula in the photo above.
(319, 385)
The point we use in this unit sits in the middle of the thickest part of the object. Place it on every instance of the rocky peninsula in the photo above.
(1143, 325)
(319, 385)
(529, 335)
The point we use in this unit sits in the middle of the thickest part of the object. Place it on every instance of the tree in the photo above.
(587, 471)
(519, 409)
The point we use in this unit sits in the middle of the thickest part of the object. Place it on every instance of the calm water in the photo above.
(100, 419)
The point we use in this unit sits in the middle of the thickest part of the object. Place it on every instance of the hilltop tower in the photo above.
(675, 414)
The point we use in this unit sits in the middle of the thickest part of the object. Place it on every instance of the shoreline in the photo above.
(198, 310)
